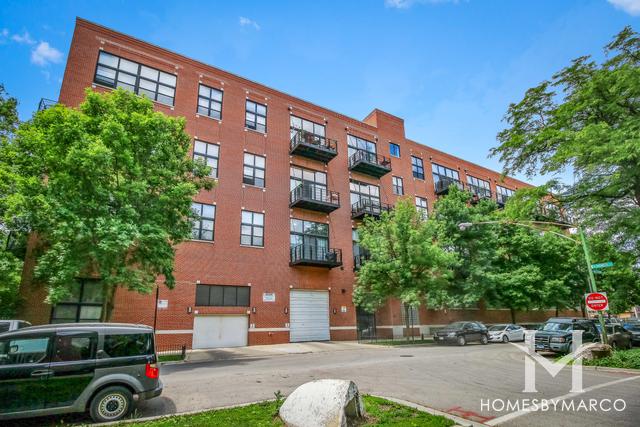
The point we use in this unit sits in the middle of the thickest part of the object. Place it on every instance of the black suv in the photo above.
(56, 369)
(462, 333)
(555, 334)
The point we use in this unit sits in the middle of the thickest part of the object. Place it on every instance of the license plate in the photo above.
(539, 345)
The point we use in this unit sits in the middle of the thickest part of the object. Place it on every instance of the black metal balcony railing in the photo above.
(369, 163)
(315, 255)
(369, 207)
(313, 146)
(360, 259)
(314, 197)
(478, 192)
(444, 183)
(501, 199)
(46, 103)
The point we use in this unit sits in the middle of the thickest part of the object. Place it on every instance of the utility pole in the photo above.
(592, 280)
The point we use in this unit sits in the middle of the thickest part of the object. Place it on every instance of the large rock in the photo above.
(322, 403)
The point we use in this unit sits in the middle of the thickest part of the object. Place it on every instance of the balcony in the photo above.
(360, 259)
(444, 183)
(315, 256)
(368, 207)
(307, 144)
(478, 193)
(46, 103)
(314, 198)
(369, 163)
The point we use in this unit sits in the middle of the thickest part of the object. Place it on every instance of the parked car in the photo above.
(56, 369)
(617, 336)
(462, 333)
(506, 332)
(556, 333)
(12, 325)
(634, 328)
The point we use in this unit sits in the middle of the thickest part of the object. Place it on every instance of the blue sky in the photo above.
(449, 68)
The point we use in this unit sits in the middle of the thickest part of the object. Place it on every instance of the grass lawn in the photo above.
(628, 359)
(169, 357)
(380, 412)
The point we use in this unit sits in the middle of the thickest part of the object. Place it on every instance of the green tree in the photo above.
(406, 261)
(586, 120)
(107, 189)
(10, 264)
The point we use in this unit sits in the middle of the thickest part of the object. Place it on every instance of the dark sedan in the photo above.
(462, 333)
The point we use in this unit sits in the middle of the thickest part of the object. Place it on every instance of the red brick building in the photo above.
(269, 262)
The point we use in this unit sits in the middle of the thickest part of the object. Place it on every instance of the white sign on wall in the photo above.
(269, 297)
(163, 303)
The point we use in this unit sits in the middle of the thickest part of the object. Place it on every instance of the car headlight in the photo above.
(451, 334)
(558, 339)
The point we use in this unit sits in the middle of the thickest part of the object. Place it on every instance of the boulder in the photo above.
(322, 403)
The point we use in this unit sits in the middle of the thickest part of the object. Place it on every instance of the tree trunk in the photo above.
(108, 303)
(513, 315)
(557, 311)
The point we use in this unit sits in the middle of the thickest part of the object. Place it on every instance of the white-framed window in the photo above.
(210, 102)
(208, 153)
(204, 224)
(256, 116)
(398, 185)
(422, 207)
(254, 170)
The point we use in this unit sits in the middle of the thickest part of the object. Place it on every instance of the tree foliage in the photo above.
(107, 189)
(586, 120)
(10, 264)
(406, 261)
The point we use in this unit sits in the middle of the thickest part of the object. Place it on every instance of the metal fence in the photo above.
(168, 352)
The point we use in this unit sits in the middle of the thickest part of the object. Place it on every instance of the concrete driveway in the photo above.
(451, 379)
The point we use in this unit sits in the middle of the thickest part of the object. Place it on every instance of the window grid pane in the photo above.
(204, 224)
(254, 170)
(256, 116)
(114, 71)
(222, 296)
(210, 102)
(208, 153)
(252, 229)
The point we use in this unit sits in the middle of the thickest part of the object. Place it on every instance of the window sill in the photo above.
(94, 85)
(244, 185)
(209, 117)
(246, 129)
(201, 241)
(251, 246)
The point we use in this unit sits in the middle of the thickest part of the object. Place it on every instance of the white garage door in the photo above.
(309, 316)
(219, 331)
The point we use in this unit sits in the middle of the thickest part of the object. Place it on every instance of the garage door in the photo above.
(309, 316)
(219, 331)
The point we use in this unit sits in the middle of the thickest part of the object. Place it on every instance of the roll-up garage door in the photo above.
(309, 316)
(220, 331)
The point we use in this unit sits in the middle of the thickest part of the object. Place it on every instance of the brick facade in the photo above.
(224, 261)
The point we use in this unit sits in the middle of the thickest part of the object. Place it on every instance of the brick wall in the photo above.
(224, 261)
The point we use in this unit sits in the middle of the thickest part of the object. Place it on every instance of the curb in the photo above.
(610, 369)
(458, 420)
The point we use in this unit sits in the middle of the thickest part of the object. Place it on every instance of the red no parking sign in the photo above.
(597, 301)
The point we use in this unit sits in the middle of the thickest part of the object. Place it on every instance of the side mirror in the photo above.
(101, 354)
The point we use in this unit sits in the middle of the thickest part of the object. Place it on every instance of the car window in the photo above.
(4, 326)
(128, 345)
(23, 324)
(497, 328)
(69, 348)
(17, 351)
(553, 326)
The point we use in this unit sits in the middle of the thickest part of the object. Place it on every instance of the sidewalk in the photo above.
(256, 351)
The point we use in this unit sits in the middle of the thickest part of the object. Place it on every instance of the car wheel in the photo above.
(484, 340)
(505, 339)
(461, 340)
(111, 404)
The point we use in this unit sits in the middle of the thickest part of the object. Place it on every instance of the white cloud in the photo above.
(4, 32)
(246, 22)
(44, 54)
(406, 4)
(632, 7)
(25, 38)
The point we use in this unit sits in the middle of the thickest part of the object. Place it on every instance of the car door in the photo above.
(511, 333)
(24, 371)
(73, 364)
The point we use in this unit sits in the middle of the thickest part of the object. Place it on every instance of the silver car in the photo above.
(12, 325)
(506, 332)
